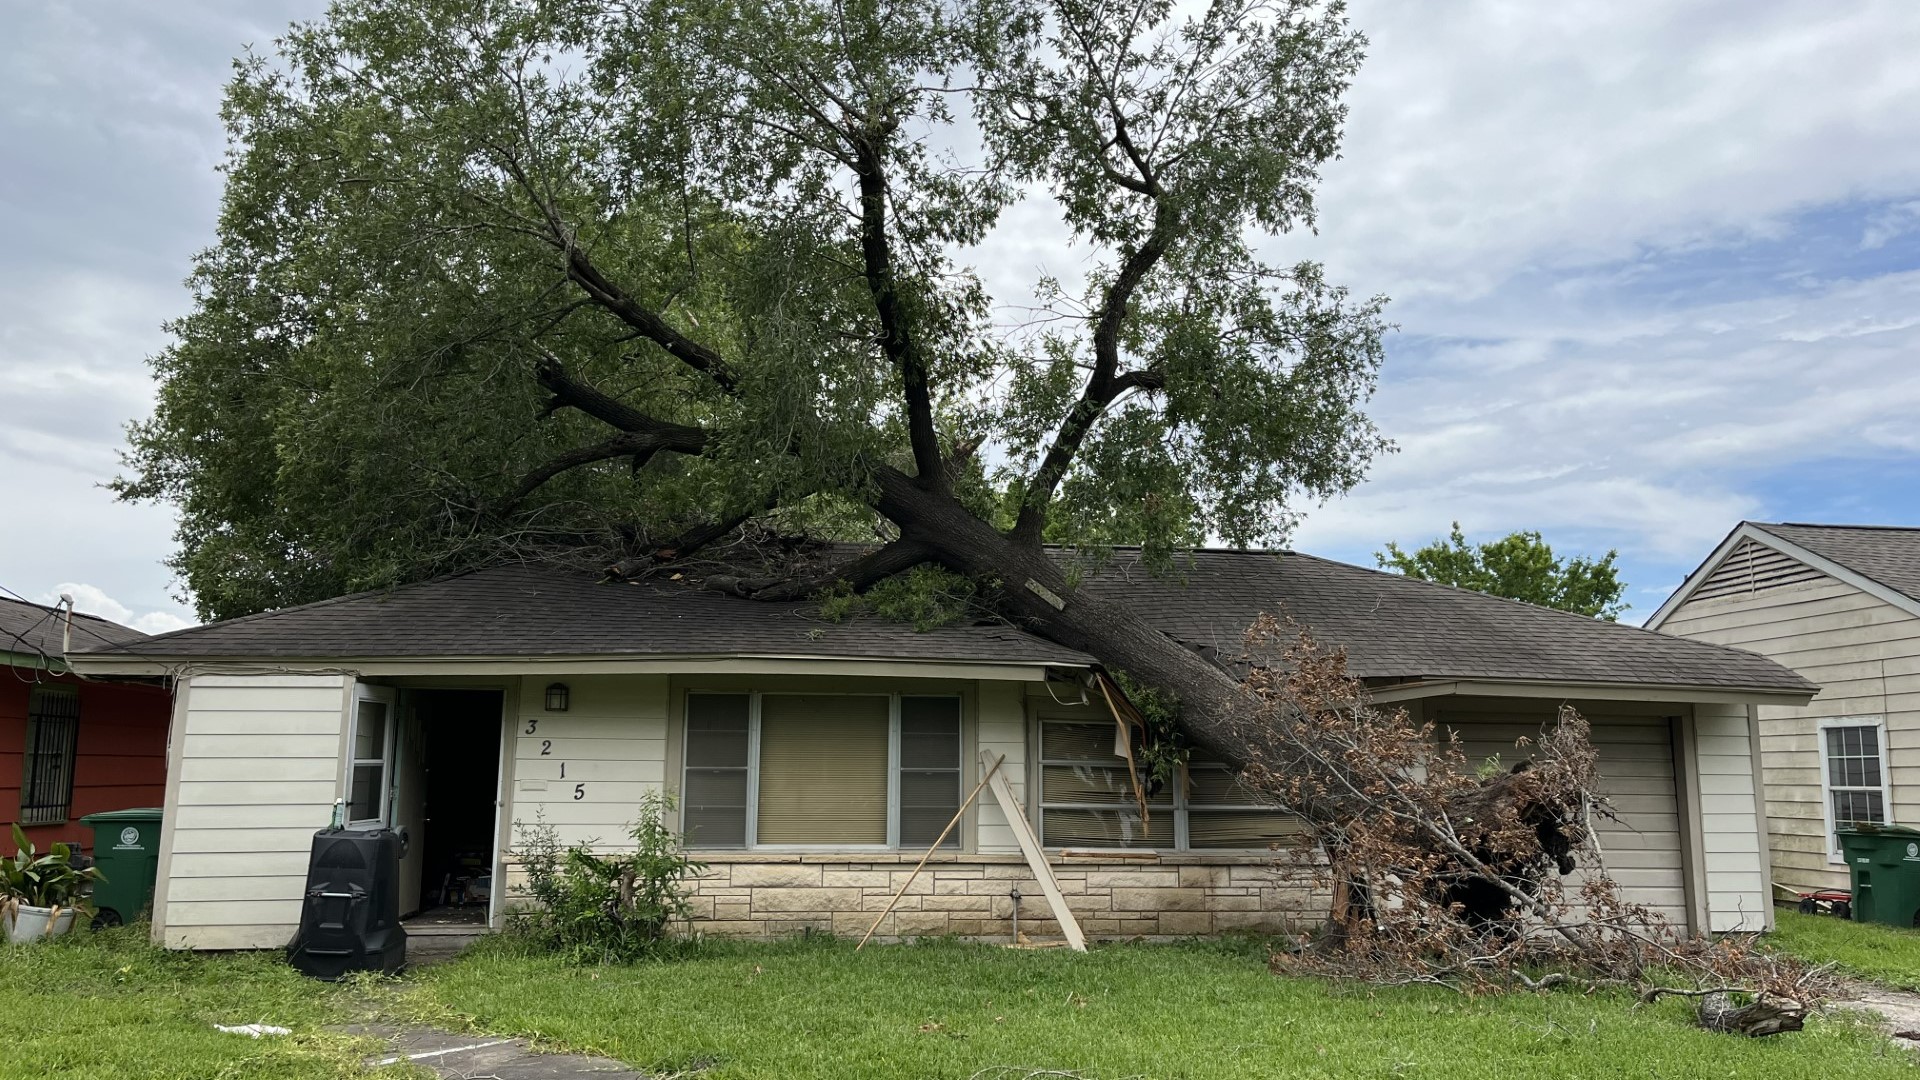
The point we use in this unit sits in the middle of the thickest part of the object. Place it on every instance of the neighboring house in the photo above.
(1840, 604)
(71, 746)
(816, 761)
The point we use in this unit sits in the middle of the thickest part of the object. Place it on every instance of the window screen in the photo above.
(823, 769)
(929, 769)
(53, 732)
(1856, 780)
(366, 800)
(1087, 799)
(714, 804)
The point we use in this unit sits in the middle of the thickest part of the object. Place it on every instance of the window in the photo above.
(820, 770)
(46, 779)
(373, 731)
(1086, 799)
(1855, 777)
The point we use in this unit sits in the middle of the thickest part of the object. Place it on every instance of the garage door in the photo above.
(1642, 848)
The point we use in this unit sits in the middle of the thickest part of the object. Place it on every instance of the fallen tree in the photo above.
(1445, 873)
(655, 286)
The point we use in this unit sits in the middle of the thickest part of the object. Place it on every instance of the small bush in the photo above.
(615, 908)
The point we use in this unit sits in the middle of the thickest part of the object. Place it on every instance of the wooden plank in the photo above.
(1036, 856)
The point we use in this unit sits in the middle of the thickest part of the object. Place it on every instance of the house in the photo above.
(71, 746)
(1840, 604)
(816, 761)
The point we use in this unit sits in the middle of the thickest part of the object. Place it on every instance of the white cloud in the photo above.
(92, 600)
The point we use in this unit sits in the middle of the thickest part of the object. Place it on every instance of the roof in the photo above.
(1396, 627)
(1883, 560)
(514, 611)
(1886, 554)
(36, 630)
(1391, 626)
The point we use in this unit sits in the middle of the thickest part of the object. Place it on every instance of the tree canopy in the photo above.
(1519, 566)
(607, 281)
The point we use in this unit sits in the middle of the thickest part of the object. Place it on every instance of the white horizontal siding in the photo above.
(612, 740)
(1864, 654)
(258, 771)
(1729, 821)
(1003, 731)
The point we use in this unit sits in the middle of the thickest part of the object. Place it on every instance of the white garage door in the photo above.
(1642, 848)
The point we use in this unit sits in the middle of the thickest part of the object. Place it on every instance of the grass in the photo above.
(1884, 954)
(108, 1005)
(812, 1008)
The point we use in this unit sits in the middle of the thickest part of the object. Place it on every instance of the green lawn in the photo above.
(109, 1006)
(815, 1009)
(1884, 954)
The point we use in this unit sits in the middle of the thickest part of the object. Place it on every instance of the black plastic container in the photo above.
(351, 917)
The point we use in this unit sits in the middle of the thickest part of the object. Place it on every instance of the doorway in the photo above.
(447, 799)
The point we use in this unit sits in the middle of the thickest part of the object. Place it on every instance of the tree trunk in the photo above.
(1035, 594)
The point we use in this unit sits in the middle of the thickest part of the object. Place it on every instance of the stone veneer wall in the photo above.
(763, 895)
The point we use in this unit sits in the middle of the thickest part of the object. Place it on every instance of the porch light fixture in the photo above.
(557, 697)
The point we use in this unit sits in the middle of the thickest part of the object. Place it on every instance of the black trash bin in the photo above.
(351, 918)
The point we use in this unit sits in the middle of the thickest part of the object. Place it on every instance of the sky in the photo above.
(1655, 268)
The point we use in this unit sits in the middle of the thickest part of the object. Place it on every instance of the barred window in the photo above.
(53, 734)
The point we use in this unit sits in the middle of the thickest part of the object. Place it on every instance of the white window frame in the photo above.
(1827, 723)
(1180, 808)
(754, 698)
(389, 697)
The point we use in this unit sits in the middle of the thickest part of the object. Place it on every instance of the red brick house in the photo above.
(71, 746)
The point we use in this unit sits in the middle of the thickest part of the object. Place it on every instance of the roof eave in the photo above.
(1593, 691)
(1007, 670)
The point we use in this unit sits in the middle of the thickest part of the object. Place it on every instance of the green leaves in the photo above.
(1519, 566)
(760, 219)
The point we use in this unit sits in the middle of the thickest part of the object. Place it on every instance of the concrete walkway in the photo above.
(486, 1057)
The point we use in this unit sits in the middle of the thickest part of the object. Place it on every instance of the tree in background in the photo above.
(1519, 566)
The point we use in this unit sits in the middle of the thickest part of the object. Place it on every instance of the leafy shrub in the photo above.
(49, 881)
(613, 908)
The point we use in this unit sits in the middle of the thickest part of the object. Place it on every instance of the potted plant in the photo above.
(40, 894)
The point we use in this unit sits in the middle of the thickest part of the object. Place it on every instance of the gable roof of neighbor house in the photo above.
(35, 630)
(1883, 560)
(1392, 627)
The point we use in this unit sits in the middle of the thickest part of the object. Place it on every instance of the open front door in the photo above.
(410, 800)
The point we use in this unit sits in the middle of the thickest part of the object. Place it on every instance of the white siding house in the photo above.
(816, 762)
(1839, 605)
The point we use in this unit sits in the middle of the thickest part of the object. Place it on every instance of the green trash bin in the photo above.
(126, 848)
(1885, 863)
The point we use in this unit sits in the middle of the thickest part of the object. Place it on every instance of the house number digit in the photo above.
(533, 723)
(563, 770)
(546, 747)
(579, 792)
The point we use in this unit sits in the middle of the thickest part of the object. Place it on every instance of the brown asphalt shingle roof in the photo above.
(35, 630)
(1888, 554)
(1392, 627)
(513, 611)
(1395, 627)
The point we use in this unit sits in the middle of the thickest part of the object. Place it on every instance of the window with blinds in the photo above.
(53, 737)
(1856, 776)
(820, 770)
(1087, 800)
(713, 801)
(929, 769)
(823, 769)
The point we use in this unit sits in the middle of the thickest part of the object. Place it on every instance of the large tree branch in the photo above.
(896, 335)
(861, 573)
(570, 393)
(601, 289)
(1105, 384)
(638, 445)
